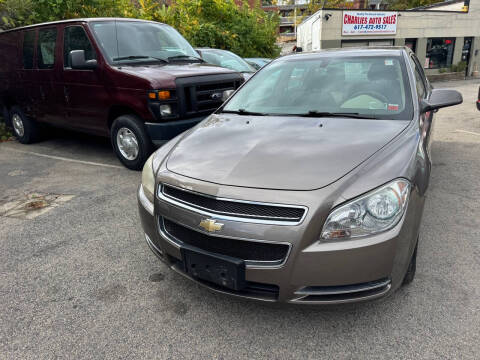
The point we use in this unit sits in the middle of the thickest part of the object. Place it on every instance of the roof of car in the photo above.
(350, 51)
(85, 20)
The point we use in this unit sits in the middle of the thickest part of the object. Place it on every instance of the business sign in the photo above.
(369, 22)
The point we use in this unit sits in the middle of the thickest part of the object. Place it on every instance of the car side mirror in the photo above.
(440, 98)
(77, 61)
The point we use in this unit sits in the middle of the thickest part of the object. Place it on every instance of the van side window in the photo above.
(75, 38)
(47, 38)
(28, 45)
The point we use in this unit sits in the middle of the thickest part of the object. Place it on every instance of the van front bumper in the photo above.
(314, 272)
(162, 132)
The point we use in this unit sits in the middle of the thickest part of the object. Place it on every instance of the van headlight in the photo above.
(375, 212)
(148, 179)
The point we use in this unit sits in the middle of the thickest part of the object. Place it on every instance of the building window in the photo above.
(412, 44)
(439, 52)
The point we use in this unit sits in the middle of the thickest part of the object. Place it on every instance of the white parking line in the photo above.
(65, 159)
(468, 132)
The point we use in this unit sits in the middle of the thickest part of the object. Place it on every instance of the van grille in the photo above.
(203, 95)
(235, 208)
(252, 251)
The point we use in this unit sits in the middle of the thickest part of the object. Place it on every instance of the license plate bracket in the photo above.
(222, 270)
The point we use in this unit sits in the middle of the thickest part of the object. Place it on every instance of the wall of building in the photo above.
(419, 25)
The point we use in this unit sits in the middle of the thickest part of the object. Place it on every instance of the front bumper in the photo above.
(314, 272)
(162, 132)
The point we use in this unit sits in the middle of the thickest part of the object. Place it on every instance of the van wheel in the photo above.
(25, 129)
(412, 268)
(130, 141)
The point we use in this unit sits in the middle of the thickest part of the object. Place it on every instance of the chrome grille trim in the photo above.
(231, 216)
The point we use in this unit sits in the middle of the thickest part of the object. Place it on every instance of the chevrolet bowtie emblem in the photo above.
(210, 225)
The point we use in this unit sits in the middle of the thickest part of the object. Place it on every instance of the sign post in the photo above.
(369, 23)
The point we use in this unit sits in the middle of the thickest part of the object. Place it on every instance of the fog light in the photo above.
(165, 110)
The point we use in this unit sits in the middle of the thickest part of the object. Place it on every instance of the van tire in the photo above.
(27, 131)
(132, 128)
(412, 268)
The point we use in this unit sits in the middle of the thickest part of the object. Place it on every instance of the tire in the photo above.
(127, 134)
(25, 129)
(412, 268)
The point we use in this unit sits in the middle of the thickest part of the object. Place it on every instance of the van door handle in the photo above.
(42, 93)
(66, 94)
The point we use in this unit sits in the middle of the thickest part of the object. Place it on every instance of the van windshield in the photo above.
(364, 87)
(132, 41)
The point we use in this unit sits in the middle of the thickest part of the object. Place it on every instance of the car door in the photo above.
(423, 91)
(25, 89)
(83, 93)
(47, 62)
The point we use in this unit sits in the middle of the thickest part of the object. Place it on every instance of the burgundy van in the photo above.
(138, 82)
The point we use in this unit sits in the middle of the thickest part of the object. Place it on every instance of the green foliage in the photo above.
(460, 67)
(408, 4)
(25, 12)
(213, 23)
(5, 133)
(221, 24)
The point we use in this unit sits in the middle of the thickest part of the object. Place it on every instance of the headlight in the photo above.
(375, 212)
(148, 179)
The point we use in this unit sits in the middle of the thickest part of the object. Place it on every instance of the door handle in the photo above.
(66, 94)
(42, 93)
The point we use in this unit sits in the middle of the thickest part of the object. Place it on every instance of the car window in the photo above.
(47, 39)
(75, 38)
(375, 86)
(28, 46)
(227, 60)
(420, 85)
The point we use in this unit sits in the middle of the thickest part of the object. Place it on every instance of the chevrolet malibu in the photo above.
(306, 186)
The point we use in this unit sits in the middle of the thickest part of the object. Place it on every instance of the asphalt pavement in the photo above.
(79, 282)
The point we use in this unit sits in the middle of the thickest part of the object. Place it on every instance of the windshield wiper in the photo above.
(243, 112)
(185, 57)
(354, 115)
(138, 57)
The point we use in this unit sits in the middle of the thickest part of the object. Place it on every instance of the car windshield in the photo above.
(135, 41)
(227, 60)
(372, 87)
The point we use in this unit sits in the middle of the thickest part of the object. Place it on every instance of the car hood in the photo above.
(164, 75)
(289, 153)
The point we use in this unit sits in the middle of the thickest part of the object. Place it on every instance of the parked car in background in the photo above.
(478, 99)
(227, 59)
(138, 82)
(257, 63)
(307, 186)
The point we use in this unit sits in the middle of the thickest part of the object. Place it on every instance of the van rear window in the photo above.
(28, 46)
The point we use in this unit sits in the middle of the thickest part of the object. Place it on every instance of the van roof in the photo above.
(84, 20)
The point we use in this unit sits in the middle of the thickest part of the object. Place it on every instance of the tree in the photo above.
(220, 24)
(213, 23)
(408, 4)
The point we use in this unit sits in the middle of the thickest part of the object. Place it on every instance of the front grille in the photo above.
(235, 208)
(252, 251)
(203, 95)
